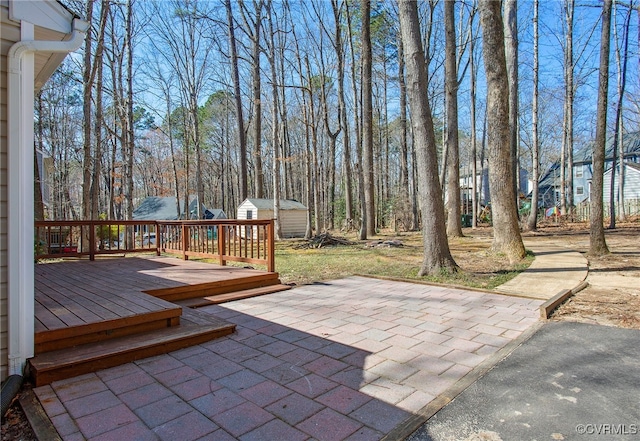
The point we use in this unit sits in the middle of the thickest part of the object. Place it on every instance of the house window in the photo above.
(579, 191)
(578, 171)
(249, 214)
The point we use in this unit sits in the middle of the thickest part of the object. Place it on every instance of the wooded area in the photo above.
(308, 100)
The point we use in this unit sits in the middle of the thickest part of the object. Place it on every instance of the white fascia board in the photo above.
(48, 14)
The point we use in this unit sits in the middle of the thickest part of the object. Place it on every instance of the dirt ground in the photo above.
(612, 297)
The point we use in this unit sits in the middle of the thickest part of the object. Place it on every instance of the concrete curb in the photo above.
(550, 305)
(413, 423)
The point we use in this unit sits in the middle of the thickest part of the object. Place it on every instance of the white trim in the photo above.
(45, 14)
(20, 90)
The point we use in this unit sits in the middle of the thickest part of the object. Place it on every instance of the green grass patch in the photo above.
(479, 267)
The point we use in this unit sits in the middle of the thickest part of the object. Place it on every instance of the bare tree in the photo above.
(92, 64)
(535, 147)
(405, 192)
(129, 132)
(454, 228)
(511, 52)
(252, 29)
(242, 141)
(506, 232)
(566, 170)
(342, 110)
(597, 242)
(472, 115)
(367, 121)
(622, 56)
(437, 256)
(275, 140)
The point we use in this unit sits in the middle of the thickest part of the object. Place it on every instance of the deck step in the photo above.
(178, 293)
(55, 339)
(196, 327)
(228, 297)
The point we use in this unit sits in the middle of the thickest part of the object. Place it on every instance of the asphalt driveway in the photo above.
(570, 381)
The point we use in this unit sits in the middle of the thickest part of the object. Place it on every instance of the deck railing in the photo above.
(249, 241)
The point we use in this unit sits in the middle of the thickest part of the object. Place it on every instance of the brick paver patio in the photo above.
(342, 360)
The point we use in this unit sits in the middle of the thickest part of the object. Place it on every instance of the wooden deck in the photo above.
(95, 314)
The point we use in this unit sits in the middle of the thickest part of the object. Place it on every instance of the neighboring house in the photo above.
(549, 187)
(631, 183)
(164, 208)
(36, 36)
(293, 214)
(482, 185)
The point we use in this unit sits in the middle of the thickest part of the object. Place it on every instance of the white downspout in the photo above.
(21, 304)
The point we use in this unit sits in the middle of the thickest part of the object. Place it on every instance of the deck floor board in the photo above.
(91, 315)
(82, 292)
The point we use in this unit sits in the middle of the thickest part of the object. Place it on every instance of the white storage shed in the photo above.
(293, 214)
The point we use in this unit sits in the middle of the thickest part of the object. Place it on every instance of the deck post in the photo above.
(158, 239)
(185, 241)
(271, 256)
(92, 241)
(222, 245)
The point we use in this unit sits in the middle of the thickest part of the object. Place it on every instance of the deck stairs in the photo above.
(204, 294)
(175, 324)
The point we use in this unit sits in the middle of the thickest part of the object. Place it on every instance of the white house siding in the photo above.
(631, 184)
(10, 34)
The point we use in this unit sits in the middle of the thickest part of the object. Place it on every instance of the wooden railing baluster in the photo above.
(231, 240)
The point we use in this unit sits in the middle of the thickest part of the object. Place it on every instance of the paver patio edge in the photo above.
(413, 423)
(442, 285)
(38, 419)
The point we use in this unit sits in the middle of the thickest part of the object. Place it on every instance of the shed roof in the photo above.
(267, 204)
(157, 208)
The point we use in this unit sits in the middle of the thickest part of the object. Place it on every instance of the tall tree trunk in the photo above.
(362, 234)
(454, 227)
(253, 31)
(437, 256)
(38, 207)
(344, 119)
(404, 147)
(98, 71)
(367, 120)
(474, 137)
(532, 221)
(567, 181)
(506, 232)
(621, 61)
(597, 242)
(87, 84)
(275, 142)
(130, 122)
(511, 52)
(333, 136)
(242, 143)
(97, 163)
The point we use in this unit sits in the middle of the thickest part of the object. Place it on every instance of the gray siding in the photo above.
(10, 34)
(631, 185)
(293, 222)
